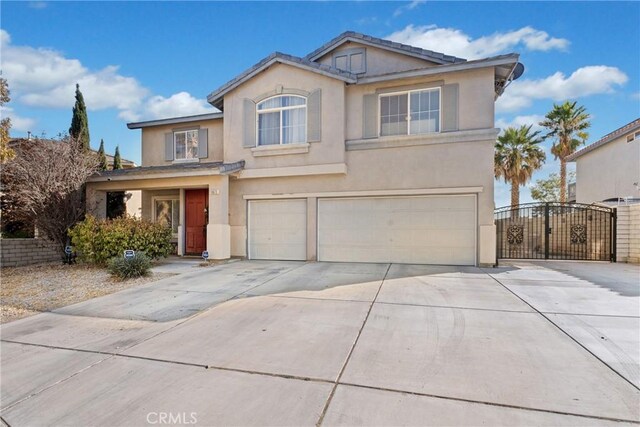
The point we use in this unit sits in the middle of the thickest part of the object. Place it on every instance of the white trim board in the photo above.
(327, 169)
(407, 192)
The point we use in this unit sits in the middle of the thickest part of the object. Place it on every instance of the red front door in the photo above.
(196, 203)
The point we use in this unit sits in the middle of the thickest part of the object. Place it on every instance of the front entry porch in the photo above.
(194, 205)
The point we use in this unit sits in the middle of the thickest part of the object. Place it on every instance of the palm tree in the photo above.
(567, 124)
(516, 157)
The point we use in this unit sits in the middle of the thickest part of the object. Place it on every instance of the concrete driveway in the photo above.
(288, 343)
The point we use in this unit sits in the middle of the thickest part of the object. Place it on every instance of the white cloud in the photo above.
(38, 4)
(585, 81)
(18, 123)
(533, 120)
(455, 42)
(46, 78)
(159, 107)
(412, 5)
(43, 77)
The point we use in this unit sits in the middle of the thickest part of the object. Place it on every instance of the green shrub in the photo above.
(97, 241)
(125, 268)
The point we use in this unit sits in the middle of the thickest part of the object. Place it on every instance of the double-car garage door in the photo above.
(401, 229)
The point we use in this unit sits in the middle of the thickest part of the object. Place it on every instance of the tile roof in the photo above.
(176, 167)
(428, 55)
(175, 120)
(215, 97)
(629, 127)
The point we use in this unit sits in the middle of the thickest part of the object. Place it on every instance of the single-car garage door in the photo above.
(278, 229)
(415, 229)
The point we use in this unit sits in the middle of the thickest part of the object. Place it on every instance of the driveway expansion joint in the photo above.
(568, 335)
(353, 346)
(488, 403)
(457, 307)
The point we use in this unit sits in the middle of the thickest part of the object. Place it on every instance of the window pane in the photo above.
(164, 212)
(192, 144)
(425, 111)
(175, 217)
(180, 145)
(294, 126)
(393, 115)
(281, 101)
(269, 128)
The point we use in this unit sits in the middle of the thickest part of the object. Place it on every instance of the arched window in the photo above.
(282, 120)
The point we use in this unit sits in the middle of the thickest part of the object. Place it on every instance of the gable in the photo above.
(378, 61)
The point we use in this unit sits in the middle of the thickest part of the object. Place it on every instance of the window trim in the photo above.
(279, 110)
(154, 199)
(175, 152)
(633, 137)
(408, 119)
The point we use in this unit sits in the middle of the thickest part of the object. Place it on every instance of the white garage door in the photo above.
(421, 229)
(278, 229)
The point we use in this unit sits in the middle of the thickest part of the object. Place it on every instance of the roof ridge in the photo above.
(276, 55)
(631, 126)
(428, 54)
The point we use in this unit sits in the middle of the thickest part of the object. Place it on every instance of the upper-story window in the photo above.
(633, 137)
(185, 144)
(410, 113)
(351, 60)
(282, 120)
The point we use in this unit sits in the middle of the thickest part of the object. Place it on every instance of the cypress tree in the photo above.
(79, 130)
(102, 158)
(117, 160)
(116, 201)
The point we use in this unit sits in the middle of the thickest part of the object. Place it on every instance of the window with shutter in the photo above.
(410, 113)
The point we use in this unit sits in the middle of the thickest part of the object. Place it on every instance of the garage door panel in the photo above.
(278, 229)
(421, 229)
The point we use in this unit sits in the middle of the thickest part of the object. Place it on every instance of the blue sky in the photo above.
(145, 60)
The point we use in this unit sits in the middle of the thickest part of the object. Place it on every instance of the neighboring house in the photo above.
(133, 198)
(609, 169)
(365, 150)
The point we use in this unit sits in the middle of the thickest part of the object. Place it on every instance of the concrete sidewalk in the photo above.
(287, 343)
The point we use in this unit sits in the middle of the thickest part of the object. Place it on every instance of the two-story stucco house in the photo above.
(364, 150)
(609, 169)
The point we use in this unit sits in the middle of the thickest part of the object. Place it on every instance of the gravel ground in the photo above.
(25, 291)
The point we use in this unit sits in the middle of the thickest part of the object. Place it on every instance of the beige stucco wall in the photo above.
(380, 61)
(134, 203)
(331, 147)
(475, 99)
(416, 167)
(608, 171)
(153, 141)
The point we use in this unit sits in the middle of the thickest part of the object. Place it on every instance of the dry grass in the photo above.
(25, 291)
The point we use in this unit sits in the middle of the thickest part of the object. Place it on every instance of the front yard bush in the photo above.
(98, 241)
(127, 268)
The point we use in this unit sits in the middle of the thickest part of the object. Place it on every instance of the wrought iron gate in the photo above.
(554, 230)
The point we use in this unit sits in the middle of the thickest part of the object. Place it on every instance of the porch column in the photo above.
(218, 230)
(181, 224)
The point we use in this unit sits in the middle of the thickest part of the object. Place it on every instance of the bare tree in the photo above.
(45, 184)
